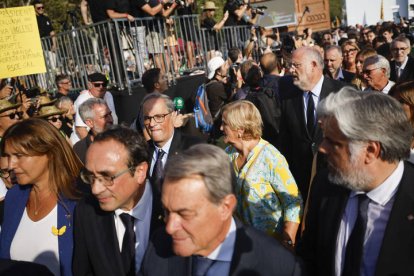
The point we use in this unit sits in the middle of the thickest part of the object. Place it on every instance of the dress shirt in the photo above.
(340, 75)
(166, 149)
(316, 91)
(142, 214)
(223, 253)
(385, 90)
(379, 209)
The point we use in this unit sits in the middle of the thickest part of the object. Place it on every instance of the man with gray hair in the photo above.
(158, 116)
(300, 93)
(361, 209)
(402, 65)
(201, 236)
(333, 64)
(376, 73)
(97, 116)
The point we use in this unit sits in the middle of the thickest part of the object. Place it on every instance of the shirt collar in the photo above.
(141, 208)
(224, 252)
(386, 190)
(402, 66)
(340, 74)
(316, 90)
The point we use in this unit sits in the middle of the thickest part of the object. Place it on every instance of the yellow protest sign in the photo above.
(20, 48)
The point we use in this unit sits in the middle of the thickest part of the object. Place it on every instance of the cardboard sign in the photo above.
(20, 47)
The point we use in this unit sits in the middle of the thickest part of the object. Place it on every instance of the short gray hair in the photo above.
(402, 39)
(153, 96)
(374, 116)
(334, 47)
(312, 54)
(86, 109)
(380, 61)
(207, 161)
(63, 100)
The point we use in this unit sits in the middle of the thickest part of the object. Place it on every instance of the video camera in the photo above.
(258, 10)
(180, 3)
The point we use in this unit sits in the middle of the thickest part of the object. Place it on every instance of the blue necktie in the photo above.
(201, 265)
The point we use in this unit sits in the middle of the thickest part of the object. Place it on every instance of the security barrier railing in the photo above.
(123, 50)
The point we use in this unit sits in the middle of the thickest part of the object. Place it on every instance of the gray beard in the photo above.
(354, 179)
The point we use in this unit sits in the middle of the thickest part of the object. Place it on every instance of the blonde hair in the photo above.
(244, 115)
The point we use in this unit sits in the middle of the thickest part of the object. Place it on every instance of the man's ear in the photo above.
(227, 206)
(140, 172)
(89, 123)
(373, 151)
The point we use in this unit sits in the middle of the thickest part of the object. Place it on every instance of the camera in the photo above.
(258, 10)
(180, 3)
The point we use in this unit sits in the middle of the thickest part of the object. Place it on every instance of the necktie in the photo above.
(310, 114)
(201, 265)
(355, 246)
(158, 171)
(128, 244)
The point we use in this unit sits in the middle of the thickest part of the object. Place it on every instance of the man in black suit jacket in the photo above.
(201, 237)
(159, 117)
(296, 143)
(402, 65)
(116, 168)
(361, 211)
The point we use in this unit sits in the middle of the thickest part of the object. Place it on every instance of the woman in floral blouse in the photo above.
(267, 194)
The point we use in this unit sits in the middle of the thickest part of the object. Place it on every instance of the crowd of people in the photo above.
(308, 168)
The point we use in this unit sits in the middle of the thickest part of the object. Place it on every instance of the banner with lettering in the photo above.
(20, 47)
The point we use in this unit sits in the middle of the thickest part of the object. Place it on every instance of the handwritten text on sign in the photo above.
(20, 48)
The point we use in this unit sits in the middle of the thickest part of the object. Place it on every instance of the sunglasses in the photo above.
(55, 119)
(14, 115)
(99, 84)
(40, 8)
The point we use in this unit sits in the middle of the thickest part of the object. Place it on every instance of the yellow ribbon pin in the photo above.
(58, 232)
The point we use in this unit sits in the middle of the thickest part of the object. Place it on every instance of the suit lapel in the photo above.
(399, 233)
(109, 246)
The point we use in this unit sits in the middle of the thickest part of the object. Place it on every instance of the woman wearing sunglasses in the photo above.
(38, 211)
(54, 116)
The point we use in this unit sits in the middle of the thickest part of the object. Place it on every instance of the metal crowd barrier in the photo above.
(123, 50)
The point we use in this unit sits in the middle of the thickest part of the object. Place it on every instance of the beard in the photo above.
(354, 177)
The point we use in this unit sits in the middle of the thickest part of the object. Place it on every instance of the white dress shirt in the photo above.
(316, 92)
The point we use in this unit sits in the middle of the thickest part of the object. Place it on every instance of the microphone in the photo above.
(179, 104)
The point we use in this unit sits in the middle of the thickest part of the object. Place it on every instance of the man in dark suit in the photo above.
(201, 236)
(361, 211)
(113, 225)
(159, 118)
(300, 93)
(402, 65)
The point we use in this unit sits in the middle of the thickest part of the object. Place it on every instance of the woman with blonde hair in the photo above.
(267, 195)
(38, 212)
(349, 51)
(359, 80)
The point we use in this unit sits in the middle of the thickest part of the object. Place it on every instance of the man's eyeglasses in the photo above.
(106, 180)
(368, 71)
(40, 8)
(55, 119)
(159, 118)
(100, 84)
(5, 173)
(347, 52)
(19, 115)
(295, 65)
(65, 82)
(399, 49)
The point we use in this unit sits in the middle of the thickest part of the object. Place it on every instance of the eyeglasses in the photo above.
(347, 52)
(368, 71)
(55, 119)
(19, 115)
(65, 82)
(40, 8)
(295, 65)
(159, 118)
(100, 84)
(106, 180)
(107, 115)
(4, 173)
(399, 49)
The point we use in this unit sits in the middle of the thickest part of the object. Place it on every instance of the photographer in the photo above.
(240, 13)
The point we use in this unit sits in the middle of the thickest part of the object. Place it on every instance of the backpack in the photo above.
(268, 105)
(203, 118)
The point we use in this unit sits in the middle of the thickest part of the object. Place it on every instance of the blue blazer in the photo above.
(14, 205)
